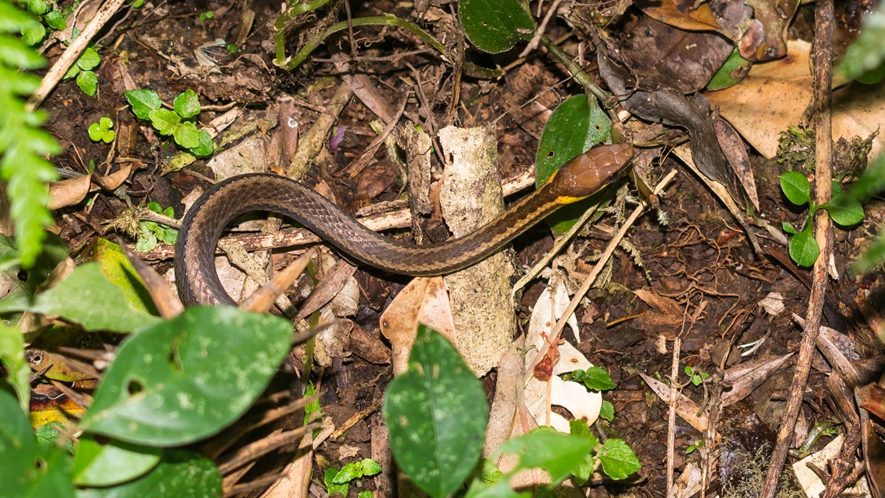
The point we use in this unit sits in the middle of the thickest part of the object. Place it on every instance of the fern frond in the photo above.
(23, 145)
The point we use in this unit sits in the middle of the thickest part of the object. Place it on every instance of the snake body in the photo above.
(204, 223)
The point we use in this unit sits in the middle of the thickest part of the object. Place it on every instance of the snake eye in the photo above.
(591, 171)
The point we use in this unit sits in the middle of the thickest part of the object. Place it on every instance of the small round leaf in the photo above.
(796, 187)
(495, 26)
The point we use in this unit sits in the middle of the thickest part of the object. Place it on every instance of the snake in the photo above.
(206, 220)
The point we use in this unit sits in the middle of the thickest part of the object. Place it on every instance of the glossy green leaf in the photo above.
(187, 135)
(187, 378)
(436, 413)
(357, 470)
(187, 104)
(607, 411)
(112, 462)
(789, 228)
(495, 26)
(585, 470)
(206, 146)
(33, 34)
(730, 73)
(844, 210)
(617, 459)
(142, 102)
(164, 121)
(180, 474)
(868, 51)
(87, 298)
(29, 468)
(594, 378)
(88, 82)
(803, 248)
(12, 356)
(117, 269)
(575, 126)
(56, 20)
(543, 448)
(38, 7)
(795, 187)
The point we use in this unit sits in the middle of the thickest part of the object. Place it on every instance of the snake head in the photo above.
(586, 174)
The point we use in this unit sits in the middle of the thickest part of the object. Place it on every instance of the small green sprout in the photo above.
(696, 376)
(178, 123)
(338, 481)
(844, 210)
(205, 16)
(151, 232)
(87, 80)
(101, 131)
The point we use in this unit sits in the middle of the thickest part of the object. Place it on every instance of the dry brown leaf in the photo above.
(114, 180)
(687, 409)
(424, 300)
(774, 95)
(68, 192)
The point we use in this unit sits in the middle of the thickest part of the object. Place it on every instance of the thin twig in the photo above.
(822, 57)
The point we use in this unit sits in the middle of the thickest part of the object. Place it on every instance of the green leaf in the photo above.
(142, 102)
(56, 20)
(181, 473)
(12, 356)
(96, 133)
(164, 121)
(789, 228)
(436, 413)
(357, 470)
(97, 464)
(187, 135)
(206, 146)
(89, 59)
(844, 210)
(187, 378)
(618, 460)
(731, 72)
(332, 488)
(12, 19)
(187, 104)
(873, 256)
(558, 454)
(495, 26)
(106, 123)
(795, 187)
(29, 468)
(575, 126)
(88, 82)
(594, 378)
(33, 34)
(117, 269)
(607, 411)
(87, 298)
(803, 248)
(38, 7)
(868, 51)
(584, 471)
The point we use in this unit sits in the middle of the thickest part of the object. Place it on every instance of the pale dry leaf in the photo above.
(552, 302)
(114, 180)
(809, 480)
(773, 303)
(687, 409)
(68, 192)
(774, 95)
(572, 396)
(423, 300)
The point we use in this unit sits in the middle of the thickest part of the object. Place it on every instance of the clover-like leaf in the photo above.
(143, 101)
(164, 121)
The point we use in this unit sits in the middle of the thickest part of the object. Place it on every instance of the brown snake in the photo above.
(198, 281)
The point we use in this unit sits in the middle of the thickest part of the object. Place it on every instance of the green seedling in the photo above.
(205, 16)
(151, 232)
(694, 447)
(101, 131)
(178, 123)
(594, 379)
(696, 376)
(87, 80)
(338, 481)
(48, 17)
(844, 210)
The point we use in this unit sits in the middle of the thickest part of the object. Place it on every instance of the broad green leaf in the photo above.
(74, 70)
(796, 187)
(436, 413)
(543, 448)
(164, 121)
(180, 474)
(113, 462)
(12, 356)
(13, 19)
(617, 459)
(803, 248)
(357, 470)
(594, 378)
(607, 411)
(87, 298)
(38, 7)
(495, 26)
(575, 126)
(332, 488)
(14, 53)
(142, 102)
(868, 51)
(187, 104)
(89, 59)
(187, 135)
(730, 73)
(117, 269)
(844, 210)
(873, 256)
(187, 378)
(789, 228)
(88, 82)
(580, 428)
(33, 34)
(206, 146)
(29, 468)
(56, 20)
